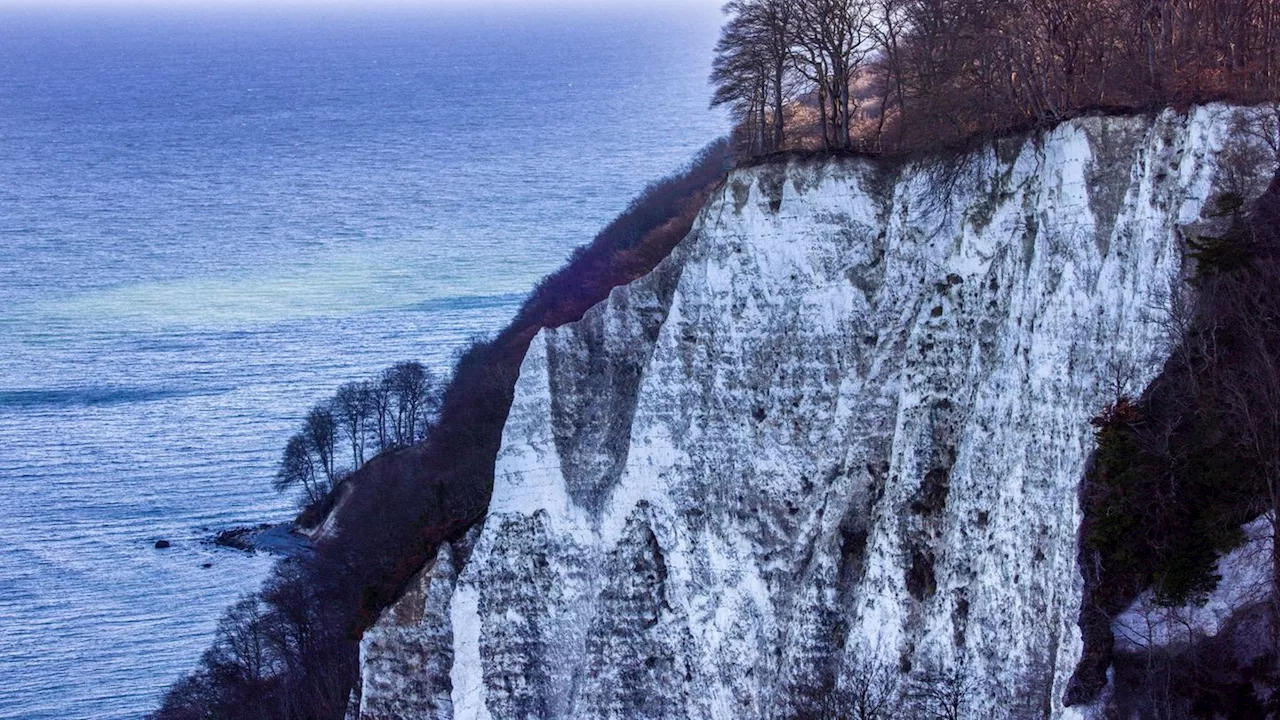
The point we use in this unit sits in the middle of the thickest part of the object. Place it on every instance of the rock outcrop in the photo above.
(837, 435)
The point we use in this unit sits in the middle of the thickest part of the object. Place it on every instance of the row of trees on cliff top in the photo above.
(907, 74)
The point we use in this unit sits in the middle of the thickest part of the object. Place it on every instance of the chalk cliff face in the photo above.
(838, 434)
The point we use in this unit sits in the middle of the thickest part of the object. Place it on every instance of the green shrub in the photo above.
(1163, 507)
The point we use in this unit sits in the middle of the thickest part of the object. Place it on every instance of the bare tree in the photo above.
(321, 432)
(873, 691)
(241, 648)
(865, 690)
(1120, 380)
(940, 695)
(835, 38)
(297, 468)
(888, 27)
(414, 394)
(740, 72)
(380, 399)
(280, 653)
(777, 20)
(353, 407)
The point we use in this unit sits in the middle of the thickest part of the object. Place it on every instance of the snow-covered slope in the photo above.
(838, 434)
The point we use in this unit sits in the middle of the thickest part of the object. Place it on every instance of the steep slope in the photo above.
(837, 435)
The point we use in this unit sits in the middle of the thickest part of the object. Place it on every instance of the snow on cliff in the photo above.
(840, 431)
(1245, 580)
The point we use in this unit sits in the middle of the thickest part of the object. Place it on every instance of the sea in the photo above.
(210, 217)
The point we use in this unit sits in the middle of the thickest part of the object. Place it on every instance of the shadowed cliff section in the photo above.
(1176, 474)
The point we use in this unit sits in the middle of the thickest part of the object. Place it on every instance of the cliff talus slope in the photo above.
(838, 434)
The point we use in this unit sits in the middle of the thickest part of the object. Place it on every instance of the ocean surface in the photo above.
(210, 219)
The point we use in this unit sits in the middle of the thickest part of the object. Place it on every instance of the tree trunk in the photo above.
(884, 109)
(846, 129)
(764, 116)
(822, 115)
(778, 136)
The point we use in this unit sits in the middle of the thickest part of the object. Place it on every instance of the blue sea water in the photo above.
(209, 219)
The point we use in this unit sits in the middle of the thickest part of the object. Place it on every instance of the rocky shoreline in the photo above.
(278, 539)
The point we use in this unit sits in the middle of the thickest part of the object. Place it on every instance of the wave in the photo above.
(500, 301)
(96, 396)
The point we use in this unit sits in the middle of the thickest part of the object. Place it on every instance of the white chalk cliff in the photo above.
(839, 432)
